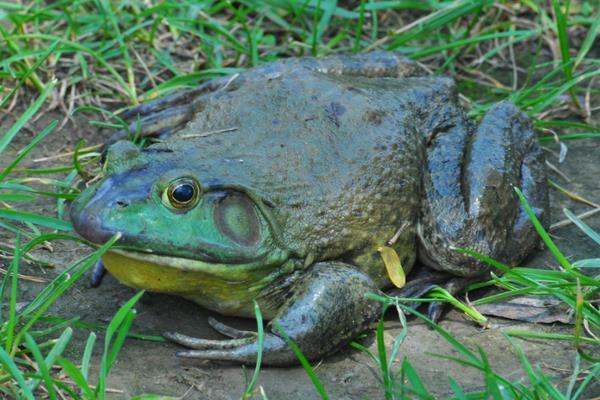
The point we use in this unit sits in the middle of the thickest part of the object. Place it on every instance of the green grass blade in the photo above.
(415, 380)
(440, 293)
(59, 346)
(563, 44)
(118, 325)
(542, 232)
(45, 132)
(14, 371)
(520, 35)
(548, 100)
(76, 47)
(107, 10)
(26, 116)
(458, 392)
(121, 336)
(43, 367)
(359, 27)
(305, 364)
(37, 219)
(589, 40)
(583, 226)
(87, 355)
(366, 350)
(75, 374)
(549, 335)
(574, 375)
(12, 307)
(442, 17)
(382, 355)
(260, 339)
(399, 339)
(23, 78)
(593, 374)
(61, 285)
(315, 30)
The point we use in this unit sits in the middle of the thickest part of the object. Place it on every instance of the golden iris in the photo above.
(182, 193)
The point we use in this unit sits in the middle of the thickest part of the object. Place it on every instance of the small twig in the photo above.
(68, 154)
(28, 278)
(209, 133)
(572, 195)
(394, 238)
(558, 171)
(567, 221)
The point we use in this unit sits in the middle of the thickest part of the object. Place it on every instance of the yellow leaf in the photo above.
(393, 265)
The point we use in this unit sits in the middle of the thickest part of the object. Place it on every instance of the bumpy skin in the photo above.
(307, 167)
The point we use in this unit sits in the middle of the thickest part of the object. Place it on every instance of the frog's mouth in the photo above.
(160, 273)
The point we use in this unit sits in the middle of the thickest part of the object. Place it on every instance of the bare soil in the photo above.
(150, 367)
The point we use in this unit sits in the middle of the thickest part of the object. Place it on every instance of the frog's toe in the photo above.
(424, 282)
(229, 331)
(435, 310)
(245, 350)
(98, 273)
(206, 344)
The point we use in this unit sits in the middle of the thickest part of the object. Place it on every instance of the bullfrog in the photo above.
(277, 186)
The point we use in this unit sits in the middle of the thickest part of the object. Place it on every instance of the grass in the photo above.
(100, 57)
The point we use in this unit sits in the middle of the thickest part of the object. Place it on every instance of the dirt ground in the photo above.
(150, 367)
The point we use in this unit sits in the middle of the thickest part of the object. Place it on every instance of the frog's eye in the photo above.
(182, 193)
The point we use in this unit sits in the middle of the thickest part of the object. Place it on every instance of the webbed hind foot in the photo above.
(426, 280)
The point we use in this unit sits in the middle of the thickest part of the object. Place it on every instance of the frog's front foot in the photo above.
(98, 273)
(327, 308)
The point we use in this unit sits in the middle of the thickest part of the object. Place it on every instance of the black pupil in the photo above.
(183, 193)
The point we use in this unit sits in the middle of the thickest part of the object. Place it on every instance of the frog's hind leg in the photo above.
(471, 202)
(470, 199)
(178, 98)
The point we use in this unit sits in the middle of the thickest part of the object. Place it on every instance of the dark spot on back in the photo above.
(333, 111)
(374, 117)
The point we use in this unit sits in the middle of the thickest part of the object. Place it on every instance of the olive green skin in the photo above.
(337, 157)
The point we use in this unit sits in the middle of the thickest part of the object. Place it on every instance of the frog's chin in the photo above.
(177, 275)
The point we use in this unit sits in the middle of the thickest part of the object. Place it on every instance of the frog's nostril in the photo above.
(122, 203)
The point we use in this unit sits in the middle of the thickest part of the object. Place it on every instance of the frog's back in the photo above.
(339, 157)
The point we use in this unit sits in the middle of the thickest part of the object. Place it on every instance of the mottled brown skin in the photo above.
(345, 153)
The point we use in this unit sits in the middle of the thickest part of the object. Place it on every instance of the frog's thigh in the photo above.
(327, 309)
(471, 202)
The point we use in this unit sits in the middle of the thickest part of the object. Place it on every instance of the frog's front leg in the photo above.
(470, 198)
(327, 308)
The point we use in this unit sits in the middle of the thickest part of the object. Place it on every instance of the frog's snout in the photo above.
(89, 225)
(88, 213)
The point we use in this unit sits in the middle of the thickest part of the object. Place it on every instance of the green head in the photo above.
(183, 232)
